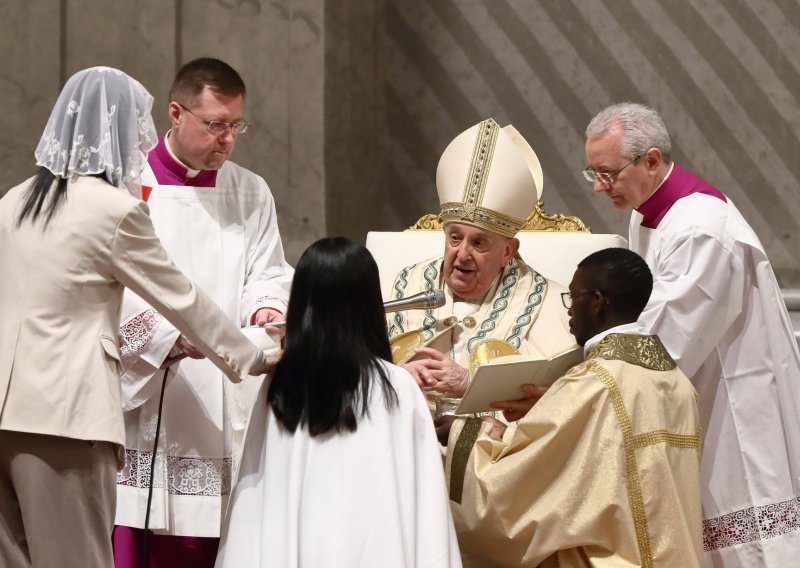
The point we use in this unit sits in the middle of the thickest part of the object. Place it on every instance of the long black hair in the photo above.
(40, 189)
(336, 341)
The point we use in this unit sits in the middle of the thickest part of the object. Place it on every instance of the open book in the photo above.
(502, 378)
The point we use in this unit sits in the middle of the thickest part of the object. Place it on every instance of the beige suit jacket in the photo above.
(60, 295)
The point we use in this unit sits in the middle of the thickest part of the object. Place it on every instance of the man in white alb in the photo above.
(217, 221)
(717, 307)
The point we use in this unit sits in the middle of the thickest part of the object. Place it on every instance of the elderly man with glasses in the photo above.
(217, 221)
(717, 307)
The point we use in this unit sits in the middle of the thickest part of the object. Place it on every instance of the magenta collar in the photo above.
(678, 185)
(170, 172)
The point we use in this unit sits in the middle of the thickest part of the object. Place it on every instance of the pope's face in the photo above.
(634, 184)
(473, 258)
(191, 141)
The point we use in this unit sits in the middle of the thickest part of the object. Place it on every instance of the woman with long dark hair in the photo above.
(71, 239)
(340, 465)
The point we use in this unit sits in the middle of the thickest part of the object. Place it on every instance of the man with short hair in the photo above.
(717, 307)
(488, 180)
(217, 221)
(604, 469)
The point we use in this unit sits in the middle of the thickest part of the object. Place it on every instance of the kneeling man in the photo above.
(604, 469)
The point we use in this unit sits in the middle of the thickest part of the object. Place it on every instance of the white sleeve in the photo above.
(698, 285)
(268, 277)
(146, 338)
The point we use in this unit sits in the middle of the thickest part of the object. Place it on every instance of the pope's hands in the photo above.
(437, 372)
(516, 409)
(265, 316)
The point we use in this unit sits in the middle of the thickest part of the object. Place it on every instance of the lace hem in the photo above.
(754, 523)
(136, 334)
(185, 475)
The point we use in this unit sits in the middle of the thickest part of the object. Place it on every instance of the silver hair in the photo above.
(641, 127)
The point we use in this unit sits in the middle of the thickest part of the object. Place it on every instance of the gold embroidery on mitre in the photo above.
(487, 350)
(470, 209)
(404, 346)
(455, 212)
(642, 350)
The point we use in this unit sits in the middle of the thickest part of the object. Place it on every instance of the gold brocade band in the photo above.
(481, 217)
(635, 496)
(461, 452)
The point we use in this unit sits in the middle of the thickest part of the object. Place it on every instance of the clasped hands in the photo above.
(438, 372)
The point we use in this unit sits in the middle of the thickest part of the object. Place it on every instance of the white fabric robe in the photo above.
(717, 307)
(226, 239)
(373, 497)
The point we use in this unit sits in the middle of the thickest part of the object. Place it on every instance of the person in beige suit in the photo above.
(70, 242)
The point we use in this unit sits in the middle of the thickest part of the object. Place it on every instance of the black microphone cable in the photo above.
(146, 535)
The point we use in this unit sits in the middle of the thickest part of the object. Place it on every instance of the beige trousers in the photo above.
(57, 501)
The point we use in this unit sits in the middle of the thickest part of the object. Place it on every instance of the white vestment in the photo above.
(226, 239)
(373, 497)
(717, 307)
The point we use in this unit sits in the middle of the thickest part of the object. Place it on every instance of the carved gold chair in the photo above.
(551, 244)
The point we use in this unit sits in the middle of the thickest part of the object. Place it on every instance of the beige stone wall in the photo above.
(277, 47)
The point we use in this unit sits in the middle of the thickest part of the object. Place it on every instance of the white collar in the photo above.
(634, 328)
(669, 171)
(190, 173)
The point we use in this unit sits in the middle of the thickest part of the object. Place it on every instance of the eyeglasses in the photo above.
(606, 178)
(568, 297)
(217, 127)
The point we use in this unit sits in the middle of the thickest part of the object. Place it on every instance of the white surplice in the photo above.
(717, 307)
(374, 497)
(226, 239)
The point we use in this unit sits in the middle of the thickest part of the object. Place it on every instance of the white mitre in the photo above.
(489, 177)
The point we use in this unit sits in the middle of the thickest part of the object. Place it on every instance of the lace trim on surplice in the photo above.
(136, 334)
(751, 524)
(185, 475)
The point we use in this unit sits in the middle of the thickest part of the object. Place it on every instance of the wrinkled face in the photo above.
(191, 141)
(473, 258)
(582, 322)
(634, 184)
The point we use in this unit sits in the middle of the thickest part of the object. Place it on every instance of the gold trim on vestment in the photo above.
(483, 217)
(663, 436)
(461, 452)
(404, 346)
(489, 349)
(635, 496)
(641, 350)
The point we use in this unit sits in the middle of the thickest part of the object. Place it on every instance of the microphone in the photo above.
(421, 301)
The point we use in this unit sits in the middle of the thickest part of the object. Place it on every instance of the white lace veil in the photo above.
(100, 123)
